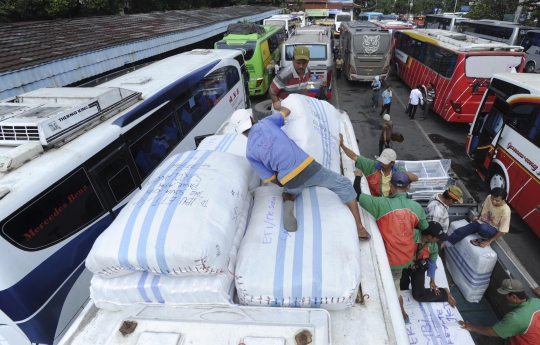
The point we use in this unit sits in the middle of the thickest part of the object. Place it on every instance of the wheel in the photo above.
(497, 179)
(262, 109)
(529, 68)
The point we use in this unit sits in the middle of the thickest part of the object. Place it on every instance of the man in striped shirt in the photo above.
(292, 79)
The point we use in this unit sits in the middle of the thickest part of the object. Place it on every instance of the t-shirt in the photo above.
(498, 217)
(272, 153)
(385, 185)
(387, 96)
(415, 96)
(339, 63)
(522, 325)
(288, 81)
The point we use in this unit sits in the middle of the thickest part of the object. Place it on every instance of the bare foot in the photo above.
(451, 299)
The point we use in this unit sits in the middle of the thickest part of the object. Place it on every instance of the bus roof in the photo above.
(458, 41)
(525, 80)
(270, 29)
(308, 39)
(393, 24)
(501, 23)
(361, 26)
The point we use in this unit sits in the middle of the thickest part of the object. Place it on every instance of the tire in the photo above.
(529, 68)
(262, 109)
(497, 179)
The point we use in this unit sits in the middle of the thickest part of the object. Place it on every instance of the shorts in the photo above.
(396, 274)
(326, 178)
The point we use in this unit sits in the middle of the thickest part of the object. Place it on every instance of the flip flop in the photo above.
(365, 238)
(476, 242)
(407, 320)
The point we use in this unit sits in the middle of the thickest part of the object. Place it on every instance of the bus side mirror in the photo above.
(476, 86)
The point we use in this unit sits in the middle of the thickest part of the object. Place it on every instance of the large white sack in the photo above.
(470, 266)
(314, 127)
(316, 267)
(143, 287)
(182, 222)
(231, 143)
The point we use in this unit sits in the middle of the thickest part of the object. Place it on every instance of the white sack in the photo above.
(230, 143)
(470, 266)
(182, 222)
(314, 127)
(318, 266)
(143, 287)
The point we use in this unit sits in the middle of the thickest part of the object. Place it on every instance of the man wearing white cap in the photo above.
(386, 134)
(378, 173)
(277, 159)
(519, 327)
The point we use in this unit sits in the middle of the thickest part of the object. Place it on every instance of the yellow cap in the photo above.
(301, 53)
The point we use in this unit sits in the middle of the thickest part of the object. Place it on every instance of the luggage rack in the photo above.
(433, 177)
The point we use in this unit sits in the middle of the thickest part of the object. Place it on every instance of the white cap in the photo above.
(241, 120)
(387, 156)
(386, 117)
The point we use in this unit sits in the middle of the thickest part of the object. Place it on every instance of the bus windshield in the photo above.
(531, 39)
(343, 18)
(316, 51)
(276, 22)
(248, 47)
(371, 44)
(485, 66)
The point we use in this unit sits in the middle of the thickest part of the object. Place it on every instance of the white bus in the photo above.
(504, 142)
(495, 30)
(340, 18)
(289, 22)
(301, 16)
(531, 46)
(446, 22)
(70, 159)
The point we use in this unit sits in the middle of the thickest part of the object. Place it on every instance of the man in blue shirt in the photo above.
(387, 100)
(277, 159)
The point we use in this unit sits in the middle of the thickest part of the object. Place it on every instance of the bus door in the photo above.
(485, 134)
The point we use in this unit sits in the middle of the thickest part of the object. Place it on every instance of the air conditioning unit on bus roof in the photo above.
(51, 114)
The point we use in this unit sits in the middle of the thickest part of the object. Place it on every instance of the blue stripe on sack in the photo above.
(465, 274)
(169, 212)
(146, 227)
(140, 287)
(323, 125)
(130, 224)
(155, 289)
(486, 275)
(222, 142)
(426, 319)
(298, 254)
(280, 263)
(233, 137)
(316, 290)
(437, 324)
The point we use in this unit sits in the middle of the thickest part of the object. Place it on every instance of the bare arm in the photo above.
(412, 177)
(536, 291)
(488, 331)
(350, 153)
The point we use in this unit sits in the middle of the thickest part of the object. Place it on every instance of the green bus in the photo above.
(259, 50)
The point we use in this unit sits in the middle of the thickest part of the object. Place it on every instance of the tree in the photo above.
(492, 9)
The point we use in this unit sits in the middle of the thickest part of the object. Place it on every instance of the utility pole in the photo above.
(518, 11)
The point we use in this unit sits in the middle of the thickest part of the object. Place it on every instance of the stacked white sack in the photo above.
(182, 222)
(316, 267)
(230, 143)
(143, 287)
(470, 266)
(314, 127)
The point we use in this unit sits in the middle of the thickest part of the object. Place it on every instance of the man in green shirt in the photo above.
(522, 325)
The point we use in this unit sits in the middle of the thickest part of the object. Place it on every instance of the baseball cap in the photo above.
(456, 193)
(301, 53)
(435, 229)
(387, 156)
(510, 286)
(241, 120)
(386, 117)
(400, 179)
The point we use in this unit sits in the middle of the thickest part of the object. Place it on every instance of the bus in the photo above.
(494, 30)
(419, 21)
(318, 40)
(365, 16)
(365, 49)
(259, 51)
(339, 18)
(392, 26)
(301, 16)
(504, 142)
(459, 66)
(531, 46)
(443, 21)
(73, 157)
(289, 22)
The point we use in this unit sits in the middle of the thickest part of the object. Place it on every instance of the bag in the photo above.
(421, 102)
(396, 136)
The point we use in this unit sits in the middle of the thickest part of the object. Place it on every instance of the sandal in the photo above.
(365, 238)
(477, 242)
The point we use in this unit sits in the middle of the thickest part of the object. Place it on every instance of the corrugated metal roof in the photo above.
(58, 53)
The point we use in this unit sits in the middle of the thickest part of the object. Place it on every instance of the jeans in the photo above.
(338, 73)
(416, 278)
(428, 107)
(385, 107)
(337, 183)
(411, 110)
(484, 230)
(375, 98)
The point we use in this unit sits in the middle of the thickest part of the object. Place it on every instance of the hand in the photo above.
(434, 287)
(277, 105)
(386, 144)
(483, 243)
(536, 290)
(285, 111)
(340, 139)
(465, 325)
(358, 173)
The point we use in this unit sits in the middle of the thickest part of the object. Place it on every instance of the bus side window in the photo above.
(416, 47)
(55, 214)
(398, 39)
(520, 117)
(534, 133)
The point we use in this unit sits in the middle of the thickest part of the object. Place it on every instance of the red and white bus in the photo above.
(504, 142)
(460, 66)
(392, 26)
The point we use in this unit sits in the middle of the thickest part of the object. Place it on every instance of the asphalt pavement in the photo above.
(430, 139)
